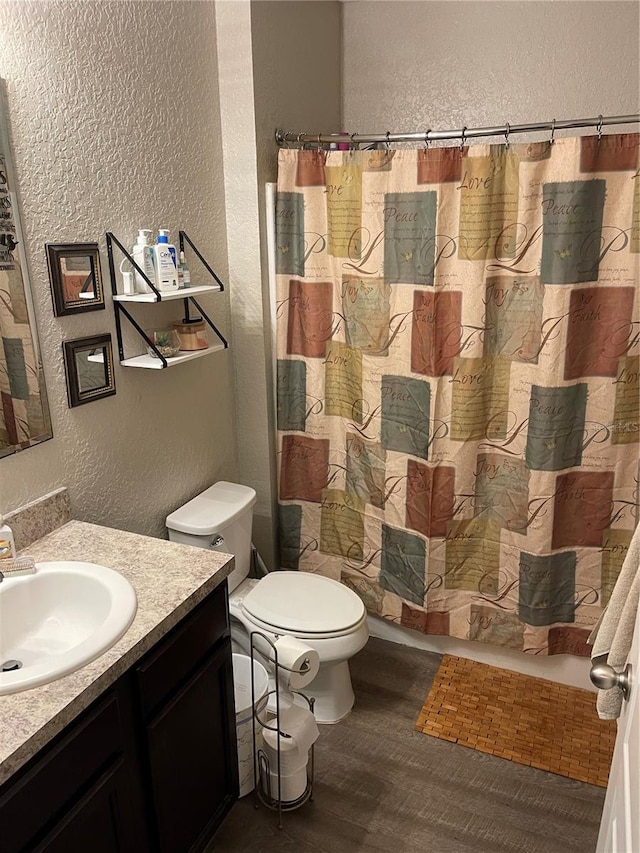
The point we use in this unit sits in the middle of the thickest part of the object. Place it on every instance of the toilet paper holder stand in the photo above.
(261, 768)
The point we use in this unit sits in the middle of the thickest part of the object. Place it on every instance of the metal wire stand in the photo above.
(261, 768)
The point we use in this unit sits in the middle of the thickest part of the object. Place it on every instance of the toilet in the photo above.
(318, 611)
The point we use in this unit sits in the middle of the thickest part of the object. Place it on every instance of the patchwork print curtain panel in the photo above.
(458, 360)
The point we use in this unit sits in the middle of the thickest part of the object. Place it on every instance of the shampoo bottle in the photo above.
(165, 262)
(143, 256)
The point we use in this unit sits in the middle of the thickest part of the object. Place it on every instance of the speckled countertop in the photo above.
(169, 580)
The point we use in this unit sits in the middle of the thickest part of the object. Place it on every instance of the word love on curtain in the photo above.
(458, 396)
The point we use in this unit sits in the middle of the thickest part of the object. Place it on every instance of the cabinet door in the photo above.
(92, 764)
(98, 821)
(192, 757)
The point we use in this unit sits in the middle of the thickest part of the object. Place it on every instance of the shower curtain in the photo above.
(458, 339)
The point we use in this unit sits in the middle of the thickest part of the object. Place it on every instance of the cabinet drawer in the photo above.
(52, 783)
(176, 657)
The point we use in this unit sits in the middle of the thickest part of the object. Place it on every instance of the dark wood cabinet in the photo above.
(150, 766)
(193, 772)
(185, 689)
(98, 820)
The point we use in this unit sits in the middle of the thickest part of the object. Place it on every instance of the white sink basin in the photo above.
(59, 619)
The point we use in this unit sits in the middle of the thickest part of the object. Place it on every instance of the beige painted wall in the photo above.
(415, 65)
(115, 125)
(279, 67)
(297, 67)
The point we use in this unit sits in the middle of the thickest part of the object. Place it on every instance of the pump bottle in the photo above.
(143, 256)
(165, 261)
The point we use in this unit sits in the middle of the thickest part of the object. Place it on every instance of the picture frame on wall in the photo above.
(88, 366)
(75, 277)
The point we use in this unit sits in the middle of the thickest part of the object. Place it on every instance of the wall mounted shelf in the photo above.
(167, 296)
(153, 363)
(159, 361)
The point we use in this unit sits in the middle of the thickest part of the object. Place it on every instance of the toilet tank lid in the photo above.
(213, 509)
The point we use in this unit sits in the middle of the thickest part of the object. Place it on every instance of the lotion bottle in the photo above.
(165, 262)
(7, 544)
(143, 256)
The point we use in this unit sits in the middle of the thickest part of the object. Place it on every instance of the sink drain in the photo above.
(10, 665)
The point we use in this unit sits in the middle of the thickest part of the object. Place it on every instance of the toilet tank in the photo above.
(218, 519)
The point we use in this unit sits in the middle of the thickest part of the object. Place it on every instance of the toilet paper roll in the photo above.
(295, 655)
(302, 732)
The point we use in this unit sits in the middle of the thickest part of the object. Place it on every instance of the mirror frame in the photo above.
(10, 193)
(75, 396)
(56, 252)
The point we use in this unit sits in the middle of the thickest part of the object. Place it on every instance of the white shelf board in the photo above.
(152, 363)
(168, 295)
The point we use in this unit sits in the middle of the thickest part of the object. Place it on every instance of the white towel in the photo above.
(614, 634)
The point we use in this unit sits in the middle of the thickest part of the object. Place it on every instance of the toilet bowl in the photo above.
(318, 611)
(321, 613)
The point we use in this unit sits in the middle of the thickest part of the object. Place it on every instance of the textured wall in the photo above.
(412, 66)
(115, 125)
(297, 67)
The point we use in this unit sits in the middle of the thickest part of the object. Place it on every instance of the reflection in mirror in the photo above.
(74, 273)
(89, 369)
(78, 278)
(92, 370)
(24, 410)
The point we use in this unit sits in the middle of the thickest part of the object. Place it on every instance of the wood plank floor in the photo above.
(382, 787)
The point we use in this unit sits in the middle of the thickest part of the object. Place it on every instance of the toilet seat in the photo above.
(278, 630)
(305, 605)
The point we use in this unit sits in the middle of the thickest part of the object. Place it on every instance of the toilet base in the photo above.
(332, 690)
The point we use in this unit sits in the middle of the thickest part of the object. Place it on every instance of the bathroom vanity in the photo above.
(136, 751)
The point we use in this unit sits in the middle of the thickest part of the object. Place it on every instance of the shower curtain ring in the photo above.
(553, 132)
(300, 135)
(353, 142)
(426, 140)
(599, 127)
(319, 142)
(506, 135)
(464, 130)
(387, 142)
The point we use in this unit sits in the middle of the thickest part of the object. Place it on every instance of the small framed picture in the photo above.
(88, 364)
(75, 277)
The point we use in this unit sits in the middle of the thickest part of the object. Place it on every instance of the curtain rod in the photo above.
(288, 137)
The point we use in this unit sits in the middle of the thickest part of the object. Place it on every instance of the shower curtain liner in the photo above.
(458, 337)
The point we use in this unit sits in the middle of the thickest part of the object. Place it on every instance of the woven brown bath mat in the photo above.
(524, 719)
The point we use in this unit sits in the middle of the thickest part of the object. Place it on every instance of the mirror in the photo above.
(24, 410)
(88, 364)
(74, 274)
